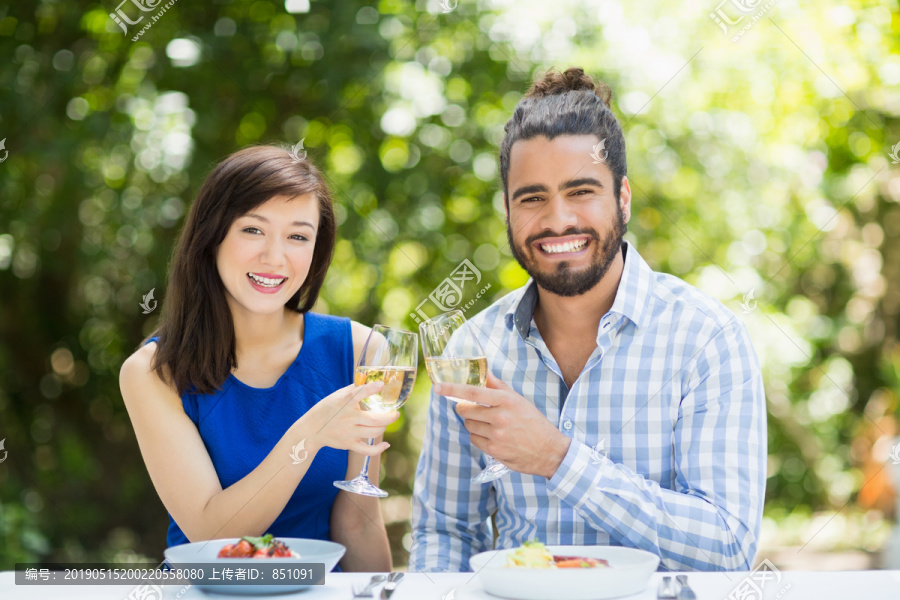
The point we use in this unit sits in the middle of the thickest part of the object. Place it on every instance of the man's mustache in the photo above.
(549, 234)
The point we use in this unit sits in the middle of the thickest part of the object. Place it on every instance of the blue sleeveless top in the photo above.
(240, 425)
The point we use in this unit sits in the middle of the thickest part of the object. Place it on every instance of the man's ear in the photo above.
(625, 198)
(506, 206)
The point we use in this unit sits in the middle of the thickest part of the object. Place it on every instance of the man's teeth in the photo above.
(265, 281)
(566, 247)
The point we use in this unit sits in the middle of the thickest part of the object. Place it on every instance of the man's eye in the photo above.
(531, 199)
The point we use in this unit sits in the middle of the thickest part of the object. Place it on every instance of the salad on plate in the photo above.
(257, 547)
(535, 555)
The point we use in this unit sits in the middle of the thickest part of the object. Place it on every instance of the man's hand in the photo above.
(509, 427)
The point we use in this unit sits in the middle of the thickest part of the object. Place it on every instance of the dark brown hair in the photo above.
(569, 103)
(196, 332)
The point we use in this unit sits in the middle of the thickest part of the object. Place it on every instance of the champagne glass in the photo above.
(390, 355)
(453, 355)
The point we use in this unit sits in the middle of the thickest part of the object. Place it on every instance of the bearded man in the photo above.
(628, 405)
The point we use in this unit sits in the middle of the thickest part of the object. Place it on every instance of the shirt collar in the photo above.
(632, 296)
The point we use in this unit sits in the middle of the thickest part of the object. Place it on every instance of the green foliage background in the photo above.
(760, 166)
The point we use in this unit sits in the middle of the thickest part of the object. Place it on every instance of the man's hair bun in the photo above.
(553, 83)
(567, 103)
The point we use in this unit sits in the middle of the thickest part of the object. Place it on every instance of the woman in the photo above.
(242, 402)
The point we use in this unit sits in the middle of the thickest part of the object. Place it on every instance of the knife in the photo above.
(391, 585)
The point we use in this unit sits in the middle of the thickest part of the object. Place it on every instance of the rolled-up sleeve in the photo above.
(711, 520)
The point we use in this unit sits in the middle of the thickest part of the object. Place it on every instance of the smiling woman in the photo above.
(243, 184)
(251, 390)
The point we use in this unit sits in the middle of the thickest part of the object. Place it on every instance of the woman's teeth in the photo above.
(265, 281)
(566, 247)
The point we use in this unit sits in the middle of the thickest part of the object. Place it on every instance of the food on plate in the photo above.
(534, 555)
(576, 562)
(257, 547)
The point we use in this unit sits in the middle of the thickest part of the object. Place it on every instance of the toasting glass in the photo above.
(453, 355)
(390, 355)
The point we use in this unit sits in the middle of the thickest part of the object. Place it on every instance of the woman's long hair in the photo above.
(196, 332)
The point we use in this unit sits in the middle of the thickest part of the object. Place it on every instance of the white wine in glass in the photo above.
(398, 383)
(390, 355)
(470, 371)
(454, 355)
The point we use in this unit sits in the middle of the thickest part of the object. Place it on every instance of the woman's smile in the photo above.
(266, 283)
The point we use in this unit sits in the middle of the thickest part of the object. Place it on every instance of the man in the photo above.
(629, 405)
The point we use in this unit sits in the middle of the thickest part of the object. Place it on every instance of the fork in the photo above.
(366, 592)
(685, 593)
(666, 590)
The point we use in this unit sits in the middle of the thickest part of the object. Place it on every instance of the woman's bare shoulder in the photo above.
(360, 333)
(137, 370)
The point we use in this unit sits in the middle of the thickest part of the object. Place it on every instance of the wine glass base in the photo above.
(491, 472)
(362, 486)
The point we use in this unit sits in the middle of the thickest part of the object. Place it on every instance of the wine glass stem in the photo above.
(365, 468)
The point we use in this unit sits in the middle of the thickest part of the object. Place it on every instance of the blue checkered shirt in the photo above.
(668, 428)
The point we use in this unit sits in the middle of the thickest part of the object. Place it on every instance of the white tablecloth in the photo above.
(794, 585)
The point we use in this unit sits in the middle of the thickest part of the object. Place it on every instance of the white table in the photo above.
(794, 585)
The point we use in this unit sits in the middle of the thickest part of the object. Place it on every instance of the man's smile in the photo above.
(563, 247)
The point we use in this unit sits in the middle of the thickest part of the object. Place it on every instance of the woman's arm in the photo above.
(182, 471)
(357, 524)
(356, 520)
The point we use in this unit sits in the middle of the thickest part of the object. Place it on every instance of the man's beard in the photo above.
(564, 281)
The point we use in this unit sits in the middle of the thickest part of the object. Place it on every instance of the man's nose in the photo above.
(558, 215)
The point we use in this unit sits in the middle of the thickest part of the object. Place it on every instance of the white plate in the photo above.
(629, 572)
(310, 551)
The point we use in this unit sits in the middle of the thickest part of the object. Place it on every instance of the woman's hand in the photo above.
(338, 421)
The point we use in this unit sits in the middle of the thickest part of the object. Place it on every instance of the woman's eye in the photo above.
(251, 230)
(299, 237)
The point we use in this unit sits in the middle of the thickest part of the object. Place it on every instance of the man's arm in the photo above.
(711, 520)
(450, 514)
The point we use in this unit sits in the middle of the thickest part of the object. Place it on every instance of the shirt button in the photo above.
(567, 425)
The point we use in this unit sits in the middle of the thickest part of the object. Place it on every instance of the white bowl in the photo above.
(310, 551)
(629, 572)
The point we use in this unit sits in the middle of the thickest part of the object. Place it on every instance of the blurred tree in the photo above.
(761, 175)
